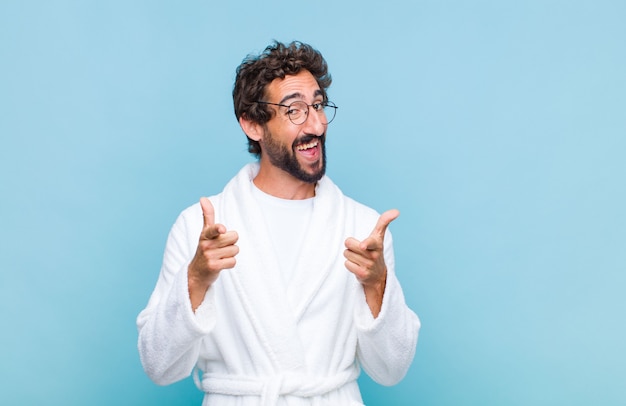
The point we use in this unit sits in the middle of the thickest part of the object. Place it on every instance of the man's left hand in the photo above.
(366, 261)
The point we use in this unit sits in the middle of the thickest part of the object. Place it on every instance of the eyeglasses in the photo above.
(298, 111)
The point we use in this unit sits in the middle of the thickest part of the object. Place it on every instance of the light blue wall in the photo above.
(498, 128)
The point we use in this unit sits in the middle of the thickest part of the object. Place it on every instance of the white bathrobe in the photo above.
(254, 341)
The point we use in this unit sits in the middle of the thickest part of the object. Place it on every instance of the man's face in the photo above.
(298, 150)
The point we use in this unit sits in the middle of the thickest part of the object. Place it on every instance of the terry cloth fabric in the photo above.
(257, 338)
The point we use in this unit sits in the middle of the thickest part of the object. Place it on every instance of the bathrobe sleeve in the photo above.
(386, 345)
(170, 333)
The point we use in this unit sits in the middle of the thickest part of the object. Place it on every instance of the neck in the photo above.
(279, 183)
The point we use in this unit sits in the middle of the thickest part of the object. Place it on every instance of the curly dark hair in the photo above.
(256, 72)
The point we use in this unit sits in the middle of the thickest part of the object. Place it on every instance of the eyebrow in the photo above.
(299, 95)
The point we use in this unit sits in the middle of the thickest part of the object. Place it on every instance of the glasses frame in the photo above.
(324, 104)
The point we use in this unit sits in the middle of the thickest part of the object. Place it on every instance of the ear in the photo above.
(252, 129)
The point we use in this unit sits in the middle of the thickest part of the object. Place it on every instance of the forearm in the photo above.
(374, 296)
(387, 343)
(197, 289)
(170, 334)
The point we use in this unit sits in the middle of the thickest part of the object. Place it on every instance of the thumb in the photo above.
(210, 230)
(208, 213)
(383, 222)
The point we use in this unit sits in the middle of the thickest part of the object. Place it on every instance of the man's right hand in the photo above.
(216, 251)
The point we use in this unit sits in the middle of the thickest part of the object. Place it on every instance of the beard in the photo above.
(286, 159)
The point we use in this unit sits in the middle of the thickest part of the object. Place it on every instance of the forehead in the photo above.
(302, 86)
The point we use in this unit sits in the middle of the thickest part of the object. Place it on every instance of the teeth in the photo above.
(307, 146)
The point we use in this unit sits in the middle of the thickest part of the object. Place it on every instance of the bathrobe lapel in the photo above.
(273, 309)
(257, 277)
(322, 252)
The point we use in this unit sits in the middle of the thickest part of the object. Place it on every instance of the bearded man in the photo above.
(278, 290)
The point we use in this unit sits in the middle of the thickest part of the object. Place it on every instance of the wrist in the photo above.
(376, 288)
(197, 287)
(374, 294)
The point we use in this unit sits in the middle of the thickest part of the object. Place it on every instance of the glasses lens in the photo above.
(298, 112)
(330, 110)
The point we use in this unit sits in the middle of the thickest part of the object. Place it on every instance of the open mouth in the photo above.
(308, 145)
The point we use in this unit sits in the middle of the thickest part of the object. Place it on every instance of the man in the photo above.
(279, 288)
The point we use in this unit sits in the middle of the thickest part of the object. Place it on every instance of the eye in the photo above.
(293, 111)
(317, 106)
(296, 109)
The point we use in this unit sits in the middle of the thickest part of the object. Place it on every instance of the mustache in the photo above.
(305, 139)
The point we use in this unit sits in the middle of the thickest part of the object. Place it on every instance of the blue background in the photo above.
(496, 127)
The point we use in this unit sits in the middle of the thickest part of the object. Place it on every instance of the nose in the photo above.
(315, 122)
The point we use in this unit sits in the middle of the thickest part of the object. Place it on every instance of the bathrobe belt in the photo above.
(271, 388)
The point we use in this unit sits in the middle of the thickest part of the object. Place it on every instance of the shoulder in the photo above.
(360, 209)
(245, 175)
(358, 217)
